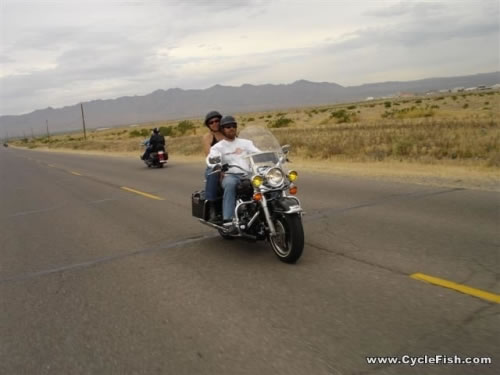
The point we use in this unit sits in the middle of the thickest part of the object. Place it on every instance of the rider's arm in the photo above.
(251, 147)
(215, 150)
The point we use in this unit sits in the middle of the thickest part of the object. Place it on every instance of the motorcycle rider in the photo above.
(231, 151)
(156, 143)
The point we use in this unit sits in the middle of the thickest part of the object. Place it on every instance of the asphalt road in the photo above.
(95, 279)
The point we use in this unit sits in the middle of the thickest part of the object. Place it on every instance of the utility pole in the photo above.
(83, 119)
(48, 134)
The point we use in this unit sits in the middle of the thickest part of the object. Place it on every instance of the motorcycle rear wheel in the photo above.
(288, 243)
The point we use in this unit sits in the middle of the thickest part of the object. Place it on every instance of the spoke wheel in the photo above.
(288, 243)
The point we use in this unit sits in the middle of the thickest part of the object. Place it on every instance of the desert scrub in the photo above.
(281, 122)
(188, 145)
(139, 133)
(183, 127)
(166, 131)
(424, 141)
(343, 116)
(409, 112)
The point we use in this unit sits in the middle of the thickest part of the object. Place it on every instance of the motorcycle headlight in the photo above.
(274, 177)
(292, 175)
(257, 181)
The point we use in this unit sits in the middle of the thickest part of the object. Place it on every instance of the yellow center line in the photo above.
(492, 297)
(75, 173)
(142, 193)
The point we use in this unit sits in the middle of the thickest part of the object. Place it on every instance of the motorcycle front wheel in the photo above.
(288, 243)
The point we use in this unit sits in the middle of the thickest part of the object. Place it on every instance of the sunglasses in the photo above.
(215, 121)
(230, 126)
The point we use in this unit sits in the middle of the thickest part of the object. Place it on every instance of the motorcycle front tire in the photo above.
(288, 244)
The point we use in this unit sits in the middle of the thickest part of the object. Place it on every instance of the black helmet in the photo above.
(227, 120)
(156, 130)
(210, 115)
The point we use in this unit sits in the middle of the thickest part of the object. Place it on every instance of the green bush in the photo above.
(134, 133)
(184, 126)
(281, 122)
(343, 116)
(387, 104)
(166, 131)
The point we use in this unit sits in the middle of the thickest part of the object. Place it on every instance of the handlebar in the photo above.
(225, 167)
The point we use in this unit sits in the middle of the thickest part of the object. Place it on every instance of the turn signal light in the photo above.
(257, 196)
(292, 175)
(257, 181)
(293, 190)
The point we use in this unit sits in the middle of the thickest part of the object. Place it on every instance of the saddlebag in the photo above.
(198, 204)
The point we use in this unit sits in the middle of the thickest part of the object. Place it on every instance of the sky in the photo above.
(62, 52)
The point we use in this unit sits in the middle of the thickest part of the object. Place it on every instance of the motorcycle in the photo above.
(157, 158)
(266, 205)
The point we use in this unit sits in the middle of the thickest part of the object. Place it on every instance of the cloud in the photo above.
(58, 53)
(405, 9)
(434, 28)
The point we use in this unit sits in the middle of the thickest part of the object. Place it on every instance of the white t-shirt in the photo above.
(233, 152)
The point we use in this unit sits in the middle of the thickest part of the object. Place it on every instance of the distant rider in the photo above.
(156, 143)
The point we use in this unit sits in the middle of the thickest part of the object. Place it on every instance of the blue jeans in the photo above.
(211, 184)
(229, 199)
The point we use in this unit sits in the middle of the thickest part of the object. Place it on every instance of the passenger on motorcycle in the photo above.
(212, 122)
(231, 151)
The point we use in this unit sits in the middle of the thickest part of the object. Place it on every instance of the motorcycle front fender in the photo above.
(285, 205)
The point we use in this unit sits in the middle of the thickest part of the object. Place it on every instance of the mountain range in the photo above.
(178, 103)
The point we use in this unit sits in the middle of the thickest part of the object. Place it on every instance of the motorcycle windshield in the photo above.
(265, 141)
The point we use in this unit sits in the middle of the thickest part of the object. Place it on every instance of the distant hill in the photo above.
(177, 103)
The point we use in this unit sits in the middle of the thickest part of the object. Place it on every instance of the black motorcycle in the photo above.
(157, 159)
(266, 205)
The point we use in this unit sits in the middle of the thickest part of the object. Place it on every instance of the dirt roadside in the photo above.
(468, 177)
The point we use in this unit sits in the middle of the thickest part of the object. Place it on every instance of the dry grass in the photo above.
(452, 129)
